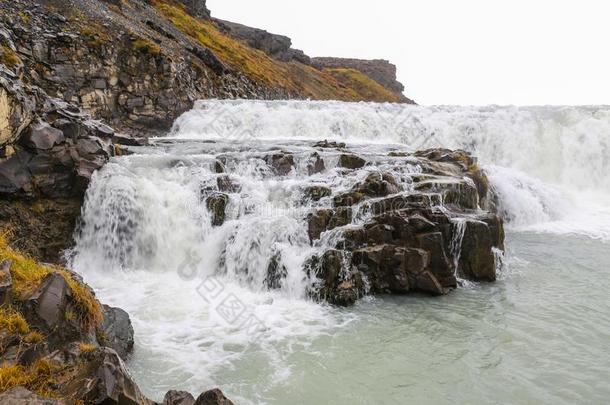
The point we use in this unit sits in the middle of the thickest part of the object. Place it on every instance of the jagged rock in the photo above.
(213, 397)
(227, 184)
(128, 140)
(384, 267)
(16, 108)
(178, 398)
(48, 303)
(351, 161)
(477, 260)
(316, 193)
(331, 144)
(379, 70)
(327, 219)
(22, 396)
(116, 331)
(276, 46)
(43, 136)
(104, 379)
(280, 163)
(6, 283)
(335, 288)
(217, 204)
(196, 7)
(348, 199)
(378, 185)
(315, 164)
(15, 178)
(276, 272)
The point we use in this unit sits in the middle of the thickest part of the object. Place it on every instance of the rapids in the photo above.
(147, 244)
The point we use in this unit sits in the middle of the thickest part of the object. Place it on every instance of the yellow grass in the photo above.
(39, 377)
(9, 57)
(366, 88)
(27, 275)
(13, 321)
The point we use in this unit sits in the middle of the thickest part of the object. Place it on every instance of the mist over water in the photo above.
(147, 245)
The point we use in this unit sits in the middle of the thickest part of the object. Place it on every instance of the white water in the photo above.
(148, 245)
(550, 164)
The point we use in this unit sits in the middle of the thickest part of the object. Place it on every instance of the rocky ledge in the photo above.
(59, 345)
(385, 222)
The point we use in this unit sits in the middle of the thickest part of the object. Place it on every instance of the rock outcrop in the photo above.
(382, 71)
(277, 46)
(59, 345)
(424, 237)
(381, 222)
(139, 64)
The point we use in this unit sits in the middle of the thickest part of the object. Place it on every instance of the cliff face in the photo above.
(139, 64)
(382, 71)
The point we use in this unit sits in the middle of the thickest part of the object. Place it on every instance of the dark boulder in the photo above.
(349, 161)
(327, 219)
(378, 185)
(213, 397)
(477, 259)
(227, 184)
(348, 199)
(116, 331)
(276, 272)
(331, 144)
(315, 164)
(217, 204)
(104, 379)
(42, 136)
(316, 193)
(15, 178)
(281, 163)
(178, 398)
(336, 286)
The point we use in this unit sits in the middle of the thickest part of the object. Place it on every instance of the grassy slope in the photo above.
(259, 67)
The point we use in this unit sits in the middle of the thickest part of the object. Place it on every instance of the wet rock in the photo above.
(276, 272)
(178, 398)
(348, 199)
(378, 185)
(477, 260)
(6, 283)
(331, 144)
(315, 164)
(128, 140)
(440, 264)
(42, 136)
(281, 163)
(458, 192)
(227, 184)
(327, 219)
(336, 286)
(116, 331)
(216, 204)
(104, 379)
(21, 396)
(213, 397)
(351, 161)
(316, 193)
(384, 267)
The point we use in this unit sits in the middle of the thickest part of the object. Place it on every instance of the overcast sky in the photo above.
(520, 52)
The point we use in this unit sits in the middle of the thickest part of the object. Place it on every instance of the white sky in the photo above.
(455, 51)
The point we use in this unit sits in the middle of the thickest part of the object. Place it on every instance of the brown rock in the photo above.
(351, 161)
